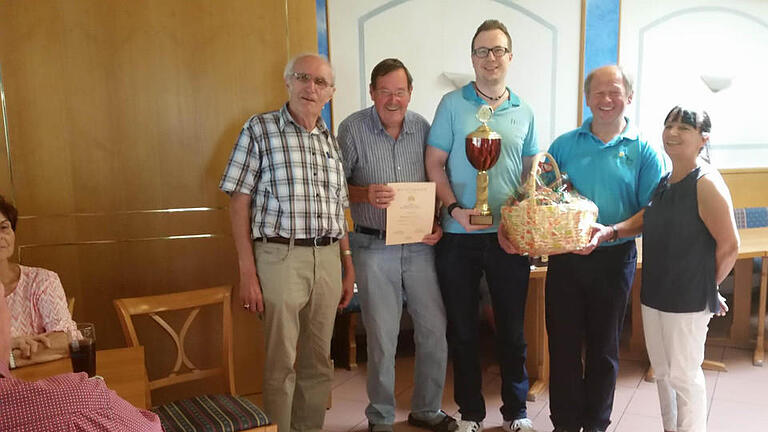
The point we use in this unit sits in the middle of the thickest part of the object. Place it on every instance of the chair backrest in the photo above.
(751, 217)
(127, 308)
(71, 305)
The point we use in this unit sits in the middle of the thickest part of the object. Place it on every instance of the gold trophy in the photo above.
(483, 147)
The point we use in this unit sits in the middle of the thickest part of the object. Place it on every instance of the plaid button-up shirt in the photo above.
(295, 178)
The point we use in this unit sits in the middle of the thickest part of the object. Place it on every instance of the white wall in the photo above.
(669, 46)
(433, 36)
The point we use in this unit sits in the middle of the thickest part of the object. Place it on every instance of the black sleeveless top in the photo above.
(678, 250)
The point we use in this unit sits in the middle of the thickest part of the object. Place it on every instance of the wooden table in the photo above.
(537, 361)
(122, 368)
(754, 243)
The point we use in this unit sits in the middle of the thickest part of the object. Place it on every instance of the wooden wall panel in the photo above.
(748, 186)
(121, 88)
(6, 187)
(301, 17)
(118, 109)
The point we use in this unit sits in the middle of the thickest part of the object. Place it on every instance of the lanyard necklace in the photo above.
(491, 97)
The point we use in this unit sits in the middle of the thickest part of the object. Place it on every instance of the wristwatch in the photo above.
(451, 207)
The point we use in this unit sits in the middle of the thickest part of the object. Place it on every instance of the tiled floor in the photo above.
(738, 399)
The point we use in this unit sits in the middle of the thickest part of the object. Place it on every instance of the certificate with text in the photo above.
(411, 213)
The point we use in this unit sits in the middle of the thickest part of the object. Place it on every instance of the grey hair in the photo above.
(288, 71)
(628, 84)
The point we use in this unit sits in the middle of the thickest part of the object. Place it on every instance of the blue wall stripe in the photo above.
(601, 36)
(321, 8)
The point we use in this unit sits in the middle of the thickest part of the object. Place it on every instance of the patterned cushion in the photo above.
(751, 217)
(210, 413)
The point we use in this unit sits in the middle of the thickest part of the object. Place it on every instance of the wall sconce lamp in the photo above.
(717, 83)
(458, 79)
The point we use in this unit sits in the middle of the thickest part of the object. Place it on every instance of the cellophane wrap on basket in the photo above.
(546, 221)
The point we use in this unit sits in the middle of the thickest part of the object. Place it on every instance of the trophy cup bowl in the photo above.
(483, 147)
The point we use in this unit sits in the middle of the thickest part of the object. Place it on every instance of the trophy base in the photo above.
(481, 219)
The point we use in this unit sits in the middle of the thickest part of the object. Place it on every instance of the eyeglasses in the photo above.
(305, 78)
(387, 93)
(497, 51)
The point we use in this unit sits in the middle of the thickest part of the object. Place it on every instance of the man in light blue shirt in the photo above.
(467, 252)
(587, 291)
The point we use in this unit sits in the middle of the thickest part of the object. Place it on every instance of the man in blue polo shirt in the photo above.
(466, 251)
(587, 291)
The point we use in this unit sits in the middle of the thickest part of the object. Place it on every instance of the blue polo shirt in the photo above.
(619, 176)
(454, 120)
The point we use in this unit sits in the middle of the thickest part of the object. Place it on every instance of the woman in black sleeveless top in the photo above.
(690, 243)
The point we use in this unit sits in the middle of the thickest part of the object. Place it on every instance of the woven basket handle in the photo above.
(530, 184)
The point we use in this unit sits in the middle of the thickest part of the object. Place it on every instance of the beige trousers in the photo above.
(675, 345)
(301, 287)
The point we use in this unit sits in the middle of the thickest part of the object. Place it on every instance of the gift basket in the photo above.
(547, 218)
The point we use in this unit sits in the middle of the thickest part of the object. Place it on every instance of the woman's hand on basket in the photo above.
(599, 234)
(505, 243)
(462, 216)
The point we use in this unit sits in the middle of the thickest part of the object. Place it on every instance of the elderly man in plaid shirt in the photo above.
(287, 199)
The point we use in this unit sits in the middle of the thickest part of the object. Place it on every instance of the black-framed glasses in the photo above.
(305, 78)
(482, 52)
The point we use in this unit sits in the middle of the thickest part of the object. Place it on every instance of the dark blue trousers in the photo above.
(461, 260)
(586, 299)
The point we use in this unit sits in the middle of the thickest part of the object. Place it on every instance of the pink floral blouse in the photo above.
(38, 304)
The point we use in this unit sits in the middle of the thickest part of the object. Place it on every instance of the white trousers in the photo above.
(675, 344)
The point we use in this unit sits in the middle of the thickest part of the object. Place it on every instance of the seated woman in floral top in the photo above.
(35, 297)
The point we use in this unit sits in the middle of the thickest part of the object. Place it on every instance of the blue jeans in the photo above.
(586, 298)
(461, 261)
(383, 273)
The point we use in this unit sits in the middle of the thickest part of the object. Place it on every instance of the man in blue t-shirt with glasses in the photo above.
(468, 251)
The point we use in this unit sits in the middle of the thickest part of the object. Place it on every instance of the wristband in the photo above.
(452, 207)
(614, 234)
(346, 252)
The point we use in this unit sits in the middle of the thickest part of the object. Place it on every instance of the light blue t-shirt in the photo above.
(454, 120)
(619, 176)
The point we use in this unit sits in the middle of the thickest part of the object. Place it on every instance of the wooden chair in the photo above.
(344, 341)
(210, 412)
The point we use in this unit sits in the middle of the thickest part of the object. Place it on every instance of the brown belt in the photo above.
(314, 242)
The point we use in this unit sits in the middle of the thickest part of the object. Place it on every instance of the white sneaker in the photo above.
(519, 425)
(469, 426)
